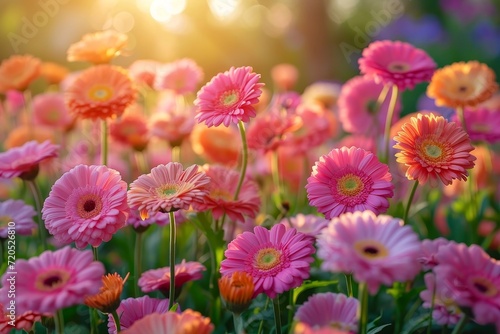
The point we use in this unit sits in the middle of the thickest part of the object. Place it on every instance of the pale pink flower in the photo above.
(429, 250)
(172, 125)
(481, 124)
(49, 109)
(445, 310)
(19, 215)
(308, 224)
(181, 76)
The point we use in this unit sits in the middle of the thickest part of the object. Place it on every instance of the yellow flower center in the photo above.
(399, 67)
(89, 206)
(167, 190)
(350, 185)
(52, 280)
(100, 93)
(484, 286)
(267, 258)
(371, 249)
(229, 98)
(432, 150)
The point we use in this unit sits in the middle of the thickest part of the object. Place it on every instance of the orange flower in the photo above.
(131, 129)
(100, 92)
(18, 72)
(187, 322)
(98, 48)
(462, 84)
(237, 291)
(216, 144)
(284, 76)
(108, 298)
(53, 73)
(25, 133)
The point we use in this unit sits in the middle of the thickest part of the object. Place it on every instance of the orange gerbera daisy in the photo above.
(53, 72)
(98, 48)
(219, 144)
(17, 72)
(434, 149)
(462, 84)
(108, 298)
(236, 290)
(100, 92)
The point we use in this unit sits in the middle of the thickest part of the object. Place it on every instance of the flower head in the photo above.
(229, 97)
(324, 93)
(347, 180)
(50, 110)
(108, 298)
(24, 321)
(86, 205)
(268, 131)
(131, 129)
(186, 322)
(434, 149)
(308, 224)
(181, 76)
(437, 296)
(56, 279)
(101, 91)
(16, 213)
(284, 76)
(482, 124)
(18, 72)
(462, 84)
(172, 125)
(396, 63)
(375, 249)
(98, 48)
(217, 145)
(236, 290)
(144, 71)
(277, 259)
(53, 73)
(429, 250)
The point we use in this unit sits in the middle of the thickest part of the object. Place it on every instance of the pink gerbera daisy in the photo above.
(308, 224)
(186, 322)
(133, 309)
(18, 216)
(168, 188)
(481, 124)
(277, 259)
(144, 71)
(268, 131)
(159, 279)
(86, 205)
(181, 76)
(229, 97)
(220, 198)
(347, 180)
(396, 63)
(172, 125)
(375, 249)
(50, 110)
(434, 149)
(24, 161)
(429, 250)
(472, 278)
(445, 311)
(54, 280)
(330, 310)
(22, 322)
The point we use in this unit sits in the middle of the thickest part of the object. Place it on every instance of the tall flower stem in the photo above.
(410, 200)
(388, 122)
(348, 283)
(277, 314)
(176, 153)
(116, 319)
(171, 295)
(137, 261)
(93, 313)
(429, 326)
(461, 324)
(104, 142)
(363, 304)
(95, 253)
(244, 159)
(461, 117)
(59, 322)
(238, 323)
(276, 174)
(37, 196)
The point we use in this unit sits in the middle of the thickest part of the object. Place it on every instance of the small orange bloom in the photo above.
(237, 291)
(25, 133)
(53, 73)
(108, 298)
(101, 91)
(284, 76)
(98, 48)
(462, 84)
(18, 72)
(216, 144)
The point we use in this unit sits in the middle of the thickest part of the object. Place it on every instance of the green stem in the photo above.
(116, 318)
(429, 326)
(461, 117)
(171, 296)
(176, 153)
(37, 196)
(104, 142)
(59, 322)
(238, 323)
(277, 314)
(276, 176)
(261, 325)
(363, 304)
(95, 253)
(410, 200)
(461, 324)
(244, 160)
(388, 122)
(348, 283)
(137, 261)
(93, 321)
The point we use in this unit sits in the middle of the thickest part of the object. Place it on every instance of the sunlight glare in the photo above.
(223, 9)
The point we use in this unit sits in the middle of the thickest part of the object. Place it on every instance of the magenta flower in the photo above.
(18, 216)
(445, 310)
(329, 310)
(277, 259)
(375, 249)
(482, 124)
(229, 97)
(396, 63)
(429, 250)
(347, 180)
(54, 280)
(86, 205)
(181, 76)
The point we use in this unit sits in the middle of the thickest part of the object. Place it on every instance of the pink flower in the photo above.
(440, 298)
(330, 310)
(49, 109)
(159, 279)
(308, 224)
(17, 217)
(23, 321)
(172, 125)
(181, 76)
(396, 63)
(143, 71)
(375, 249)
(229, 97)
(220, 198)
(54, 280)
(24, 161)
(268, 131)
(472, 278)
(86, 205)
(277, 259)
(482, 124)
(429, 250)
(347, 180)
(133, 309)
(186, 322)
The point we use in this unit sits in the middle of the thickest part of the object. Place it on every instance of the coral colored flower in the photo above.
(358, 110)
(131, 129)
(50, 110)
(445, 311)
(217, 145)
(133, 309)
(462, 84)
(332, 310)
(396, 63)
(220, 198)
(434, 149)
(324, 93)
(25, 133)
(98, 48)
(481, 124)
(18, 72)
(308, 224)
(268, 131)
(303, 328)
(236, 291)
(23, 321)
(53, 73)
(188, 321)
(159, 279)
(347, 180)
(277, 259)
(229, 97)
(472, 278)
(100, 92)
(429, 250)
(168, 188)
(182, 76)
(143, 71)
(375, 249)
(284, 76)
(54, 280)
(108, 298)
(86, 205)
(16, 216)
(24, 161)
(172, 125)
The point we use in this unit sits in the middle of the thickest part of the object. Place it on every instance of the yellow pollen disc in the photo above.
(229, 98)
(89, 206)
(167, 190)
(484, 286)
(432, 150)
(51, 280)
(350, 185)
(100, 93)
(267, 258)
(399, 67)
(371, 249)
